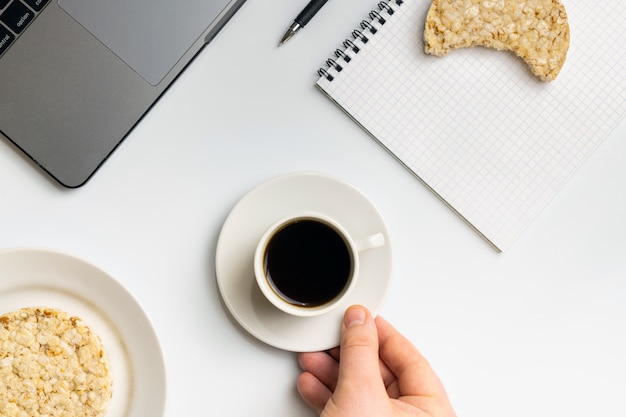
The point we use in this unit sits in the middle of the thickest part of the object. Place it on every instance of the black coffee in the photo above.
(307, 263)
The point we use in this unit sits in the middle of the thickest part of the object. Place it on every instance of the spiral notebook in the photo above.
(476, 127)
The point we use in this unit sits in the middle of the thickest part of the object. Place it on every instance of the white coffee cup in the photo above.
(306, 264)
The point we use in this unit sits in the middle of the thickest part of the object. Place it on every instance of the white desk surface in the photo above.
(539, 330)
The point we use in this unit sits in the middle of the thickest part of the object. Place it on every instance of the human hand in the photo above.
(376, 372)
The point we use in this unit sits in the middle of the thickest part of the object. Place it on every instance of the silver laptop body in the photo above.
(77, 75)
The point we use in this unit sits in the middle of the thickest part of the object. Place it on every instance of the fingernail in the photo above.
(354, 316)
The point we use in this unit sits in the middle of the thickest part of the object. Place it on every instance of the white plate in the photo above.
(39, 277)
(253, 214)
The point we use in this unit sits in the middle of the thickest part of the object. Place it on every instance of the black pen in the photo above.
(302, 19)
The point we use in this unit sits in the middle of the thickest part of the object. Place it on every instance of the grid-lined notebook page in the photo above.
(491, 140)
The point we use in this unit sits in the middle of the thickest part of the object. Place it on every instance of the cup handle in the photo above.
(370, 242)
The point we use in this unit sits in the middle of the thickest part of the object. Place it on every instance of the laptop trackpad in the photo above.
(149, 35)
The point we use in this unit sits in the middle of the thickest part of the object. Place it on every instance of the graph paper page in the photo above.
(491, 140)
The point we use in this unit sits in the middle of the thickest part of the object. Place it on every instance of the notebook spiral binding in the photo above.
(360, 37)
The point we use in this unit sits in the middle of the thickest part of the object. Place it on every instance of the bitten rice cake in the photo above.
(536, 30)
(51, 364)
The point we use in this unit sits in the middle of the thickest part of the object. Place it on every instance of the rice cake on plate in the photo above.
(51, 364)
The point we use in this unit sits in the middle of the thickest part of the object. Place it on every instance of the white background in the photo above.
(538, 330)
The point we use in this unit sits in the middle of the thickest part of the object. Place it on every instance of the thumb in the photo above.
(359, 368)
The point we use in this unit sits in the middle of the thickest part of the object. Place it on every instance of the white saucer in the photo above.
(45, 278)
(243, 228)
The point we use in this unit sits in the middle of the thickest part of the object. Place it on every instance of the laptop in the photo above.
(77, 75)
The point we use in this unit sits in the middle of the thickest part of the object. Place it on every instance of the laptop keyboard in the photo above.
(15, 16)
